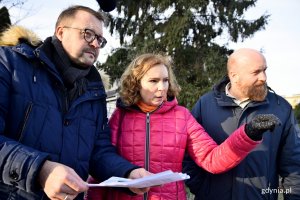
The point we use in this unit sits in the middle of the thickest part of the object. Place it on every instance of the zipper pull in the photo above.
(148, 117)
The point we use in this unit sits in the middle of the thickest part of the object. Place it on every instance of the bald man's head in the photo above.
(242, 57)
(246, 71)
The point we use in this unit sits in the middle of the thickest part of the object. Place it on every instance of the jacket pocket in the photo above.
(41, 129)
(32, 124)
(24, 122)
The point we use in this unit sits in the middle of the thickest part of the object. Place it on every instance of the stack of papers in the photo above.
(147, 181)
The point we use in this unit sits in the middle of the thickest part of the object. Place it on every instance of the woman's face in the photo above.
(155, 85)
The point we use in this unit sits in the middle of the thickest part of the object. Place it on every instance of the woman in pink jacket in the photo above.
(151, 130)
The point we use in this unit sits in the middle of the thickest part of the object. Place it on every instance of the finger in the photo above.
(138, 173)
(62, 196)
(65, 196)
(75, 185)
(137, 191)
(144, 189)
(68, 190)
(70, 197)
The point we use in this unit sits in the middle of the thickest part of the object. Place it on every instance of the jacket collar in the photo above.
(165, 107)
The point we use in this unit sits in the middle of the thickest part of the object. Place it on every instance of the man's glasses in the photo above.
(89, 36)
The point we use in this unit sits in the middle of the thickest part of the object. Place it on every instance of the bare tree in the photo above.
(8, 5)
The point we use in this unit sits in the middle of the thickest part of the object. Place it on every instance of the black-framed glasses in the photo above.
(90, 35)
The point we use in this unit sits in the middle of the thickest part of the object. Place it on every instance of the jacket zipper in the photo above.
(65, 101)
(26, 117)
(147, 156)
(147, 148)
(147, 145)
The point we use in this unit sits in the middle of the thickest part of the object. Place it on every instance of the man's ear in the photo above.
(233, 76)
(59, 32)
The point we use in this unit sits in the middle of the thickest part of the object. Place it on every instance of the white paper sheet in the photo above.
(148, 181)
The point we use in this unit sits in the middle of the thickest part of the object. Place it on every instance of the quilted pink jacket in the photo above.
(157, 141)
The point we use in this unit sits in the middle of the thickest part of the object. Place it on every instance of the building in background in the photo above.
(112, 96)
(293, 99)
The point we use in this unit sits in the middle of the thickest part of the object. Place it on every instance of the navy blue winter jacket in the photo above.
(256, 177)
(37, 124)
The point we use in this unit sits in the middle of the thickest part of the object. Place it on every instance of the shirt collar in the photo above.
(242, 104)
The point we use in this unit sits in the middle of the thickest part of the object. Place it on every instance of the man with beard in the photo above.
(241, 95)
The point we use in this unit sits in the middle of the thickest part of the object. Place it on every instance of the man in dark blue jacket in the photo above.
(53, 118)
(235, 100)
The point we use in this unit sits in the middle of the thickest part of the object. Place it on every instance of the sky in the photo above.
(280, 40)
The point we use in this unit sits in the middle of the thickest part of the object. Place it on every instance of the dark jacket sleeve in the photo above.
(289, 164)
(106, 162)
(19, 164)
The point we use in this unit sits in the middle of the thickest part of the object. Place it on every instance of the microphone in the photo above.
(107, 5)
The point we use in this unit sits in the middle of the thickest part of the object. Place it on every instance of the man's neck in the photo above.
(242, 102)
(236, 94)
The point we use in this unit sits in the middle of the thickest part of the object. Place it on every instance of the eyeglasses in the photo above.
(90, 35)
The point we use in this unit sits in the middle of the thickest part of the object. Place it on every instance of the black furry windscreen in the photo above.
(107, 5)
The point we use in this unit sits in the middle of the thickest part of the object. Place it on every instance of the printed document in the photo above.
(147, 181)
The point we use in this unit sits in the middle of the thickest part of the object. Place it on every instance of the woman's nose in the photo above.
(162, 86)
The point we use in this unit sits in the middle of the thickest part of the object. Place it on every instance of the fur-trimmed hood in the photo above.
(17, 34)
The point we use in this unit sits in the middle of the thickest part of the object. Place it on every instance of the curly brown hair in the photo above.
(131, 78)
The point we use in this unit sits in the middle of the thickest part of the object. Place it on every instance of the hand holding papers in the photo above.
(147, 181)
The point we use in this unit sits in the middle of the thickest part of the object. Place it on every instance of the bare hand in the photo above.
(139, 173)
(59, 180)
